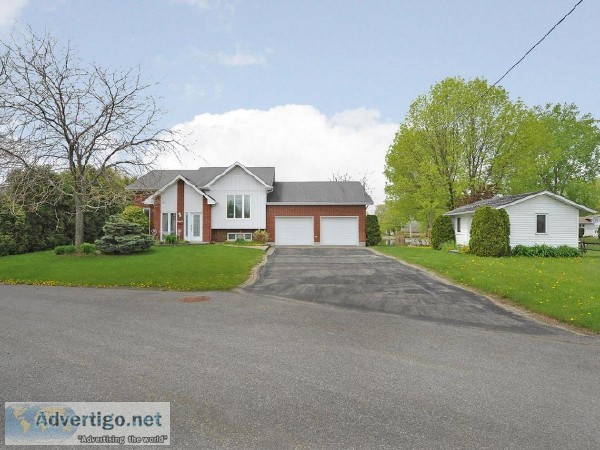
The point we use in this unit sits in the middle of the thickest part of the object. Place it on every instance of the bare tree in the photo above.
(56, 111)
(346, 176)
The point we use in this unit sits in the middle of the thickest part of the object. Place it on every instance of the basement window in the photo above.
(236, 236)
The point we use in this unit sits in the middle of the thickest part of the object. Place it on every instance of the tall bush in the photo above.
(122, 237)
(490, 232)
(373, 230)
(135, 214)
(442, 231)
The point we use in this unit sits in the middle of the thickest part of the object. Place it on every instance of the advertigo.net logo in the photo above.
(82, 423)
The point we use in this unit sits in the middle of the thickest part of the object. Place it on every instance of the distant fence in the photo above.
(589, 246)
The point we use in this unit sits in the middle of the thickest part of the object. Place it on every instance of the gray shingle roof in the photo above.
(326, 192)
(495, 202)
(156, 179)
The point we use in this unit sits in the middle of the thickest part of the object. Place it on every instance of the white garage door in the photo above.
(339, 230)
(294, 231)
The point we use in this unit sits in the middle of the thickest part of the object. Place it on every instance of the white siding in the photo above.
(168, 199)
(462, 237)
(192, 201)
(562, 222)
(237, 181)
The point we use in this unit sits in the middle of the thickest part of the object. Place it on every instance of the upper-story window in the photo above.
(238, 206)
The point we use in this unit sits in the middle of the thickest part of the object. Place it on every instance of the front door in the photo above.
(193, 226)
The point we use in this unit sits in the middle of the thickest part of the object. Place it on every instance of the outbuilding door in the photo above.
(294, 230)
(339, 230)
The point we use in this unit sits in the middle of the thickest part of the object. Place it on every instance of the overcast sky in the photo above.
(316, 87)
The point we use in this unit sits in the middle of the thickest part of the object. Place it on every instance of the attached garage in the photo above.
(339, 230)
(294, 230)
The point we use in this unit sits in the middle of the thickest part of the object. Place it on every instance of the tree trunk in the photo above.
(78, 220)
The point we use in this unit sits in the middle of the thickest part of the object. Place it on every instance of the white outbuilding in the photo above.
(535, 218)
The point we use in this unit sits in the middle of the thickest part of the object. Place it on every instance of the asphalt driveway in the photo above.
(362, 279)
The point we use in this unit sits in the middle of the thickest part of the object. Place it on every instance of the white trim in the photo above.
(150, 200)
(230, 168)
(318, 204)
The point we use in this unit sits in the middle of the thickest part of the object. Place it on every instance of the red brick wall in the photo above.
(317, 212)
(180, 208)
(155, 218)
(206, 221)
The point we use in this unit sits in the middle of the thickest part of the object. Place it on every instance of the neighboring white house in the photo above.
(535, 218)
(590, 224)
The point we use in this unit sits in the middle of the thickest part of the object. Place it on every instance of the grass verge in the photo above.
(565, 289)
(187, 267)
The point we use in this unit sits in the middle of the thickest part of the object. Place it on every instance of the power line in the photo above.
(517, 63)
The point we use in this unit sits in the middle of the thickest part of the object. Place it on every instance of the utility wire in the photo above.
(516, 64)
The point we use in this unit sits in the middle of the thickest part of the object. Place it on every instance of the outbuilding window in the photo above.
(541, 223)
(457, 224)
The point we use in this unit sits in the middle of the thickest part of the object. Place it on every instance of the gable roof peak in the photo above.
(499, 202)
(244, 168)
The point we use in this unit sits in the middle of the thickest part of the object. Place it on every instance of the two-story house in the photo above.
(215, 204)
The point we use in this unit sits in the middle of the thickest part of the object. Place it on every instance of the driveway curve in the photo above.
(359, 278)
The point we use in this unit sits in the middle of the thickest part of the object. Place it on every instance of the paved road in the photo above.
(362, 279)
(245, 370)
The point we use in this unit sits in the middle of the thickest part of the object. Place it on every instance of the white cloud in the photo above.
(240, 59)
(204, 5)
(200, 4)
(9, 11)
(301, 143)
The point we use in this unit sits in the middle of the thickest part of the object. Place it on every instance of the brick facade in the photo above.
(210, 235)
(180, 209)
(206, 221)
(317, 212)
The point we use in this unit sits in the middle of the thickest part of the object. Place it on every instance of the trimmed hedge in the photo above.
(442, 232)
(546, 251)
(490, 232)
(373, 230)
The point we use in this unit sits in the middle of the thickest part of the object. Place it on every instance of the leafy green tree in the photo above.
(458, 141)
(373, 232)
(490, 232)
(442, 231)
(135, 214)
(560, 153)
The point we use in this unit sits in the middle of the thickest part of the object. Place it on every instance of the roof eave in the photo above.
(320, 203)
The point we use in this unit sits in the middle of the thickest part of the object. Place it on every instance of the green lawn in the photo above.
(187, 267)
(566, 289)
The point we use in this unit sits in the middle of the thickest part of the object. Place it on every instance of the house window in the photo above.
(238, 206)
(457, 224)
(541, 223)
(147, 214)
(169, 220)
(236, 236)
